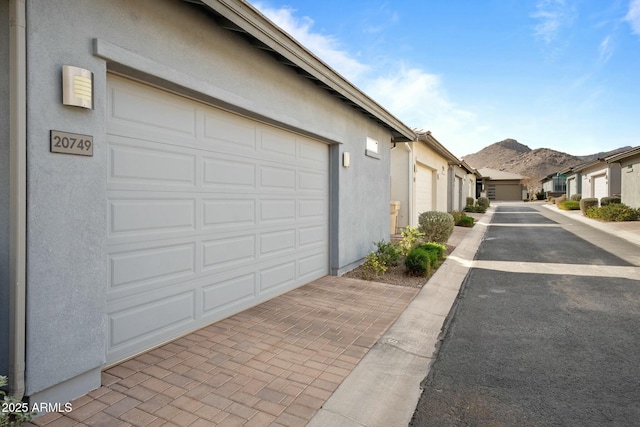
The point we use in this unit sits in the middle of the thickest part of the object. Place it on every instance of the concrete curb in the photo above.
(383, 390)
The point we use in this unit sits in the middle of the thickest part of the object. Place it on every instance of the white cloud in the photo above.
(553, 16)
(606, 49)
(325, 47)
(633, 16)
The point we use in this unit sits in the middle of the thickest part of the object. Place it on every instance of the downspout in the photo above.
(411, 178)
(18, 195)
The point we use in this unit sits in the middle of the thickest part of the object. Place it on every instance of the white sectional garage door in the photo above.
(599, 186)
(209, 213)
(424, 190)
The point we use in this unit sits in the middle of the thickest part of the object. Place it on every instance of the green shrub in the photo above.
(587, 203)
(410, 235)
(475, 209)
(461, 219)
(433, 247)
(373, 267)
(609, 200)
(484, 202)
(576, 197)
(614, 212)
(388, 253)
(457, 216)
(557, 200)
(467, 221)
(418, 262)
(436, 226)
(540, 195)
(569, 205)
(470, 201)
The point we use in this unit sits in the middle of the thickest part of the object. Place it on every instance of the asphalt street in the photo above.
(545, 331)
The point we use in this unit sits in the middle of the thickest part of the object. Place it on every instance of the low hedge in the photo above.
(576, 197)
(587, 203)
(609, 200)
(569, 205)
(614, 212)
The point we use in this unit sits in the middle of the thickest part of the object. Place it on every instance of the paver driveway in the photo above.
(274, 364)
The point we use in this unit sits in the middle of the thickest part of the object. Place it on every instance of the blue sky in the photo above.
(560, 74)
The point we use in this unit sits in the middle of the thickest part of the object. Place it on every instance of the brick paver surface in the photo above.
(272, 365)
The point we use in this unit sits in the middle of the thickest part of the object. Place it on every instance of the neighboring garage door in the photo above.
(209, 213)
(457, 193)
(599, 186)
(571, 187)
(424, 190)
(508, 192)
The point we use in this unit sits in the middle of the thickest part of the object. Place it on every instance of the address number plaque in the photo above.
(71, 143)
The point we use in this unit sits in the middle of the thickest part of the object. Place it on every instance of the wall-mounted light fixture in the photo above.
(77, 87)
(346, 159)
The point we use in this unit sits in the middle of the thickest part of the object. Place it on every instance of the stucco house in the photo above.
(629, 176)
(554, 184)
(425, 176)
(501, 185)
(165, 164)
(599, 178)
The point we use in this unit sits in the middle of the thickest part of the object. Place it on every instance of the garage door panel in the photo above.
(277, 178)
(241, 217)
(143, 109)
(277, 242)
(312, 154)
(220, 213)
(228, 292)
(228, 174)
(312, 265)
(227, 252)
(312, 209)
(143, 165)
(151, 317)
(309, 236)
(277, 276)
(274, 210)
(312, 181)
(143, 216)
(278, 145)
(228, 133)
(136, 267)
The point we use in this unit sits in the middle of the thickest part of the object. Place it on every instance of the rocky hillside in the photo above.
(494, 155)
(511, 156)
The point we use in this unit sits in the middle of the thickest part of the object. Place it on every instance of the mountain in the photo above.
(511, 156)
(602, 154)
(494, 155)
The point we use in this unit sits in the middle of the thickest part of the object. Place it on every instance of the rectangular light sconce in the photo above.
(77, 87)
(346, 159)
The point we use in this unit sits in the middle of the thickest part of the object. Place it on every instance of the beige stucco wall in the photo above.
(630, 182)
(403, 159)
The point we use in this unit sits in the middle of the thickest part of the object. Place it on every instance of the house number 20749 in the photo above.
(71, 143)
